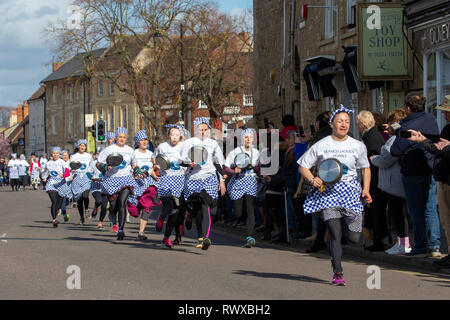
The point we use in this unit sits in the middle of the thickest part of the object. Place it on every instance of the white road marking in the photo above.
(3, 236)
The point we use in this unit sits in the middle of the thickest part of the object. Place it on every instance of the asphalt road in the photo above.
(35, 257)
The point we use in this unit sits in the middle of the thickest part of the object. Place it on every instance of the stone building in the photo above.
(35, 142)
(307, 64)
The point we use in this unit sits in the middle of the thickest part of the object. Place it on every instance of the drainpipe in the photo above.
(292, 37)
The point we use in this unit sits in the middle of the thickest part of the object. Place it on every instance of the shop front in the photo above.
(432, 40)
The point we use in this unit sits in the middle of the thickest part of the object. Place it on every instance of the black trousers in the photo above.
(274, 212)
(202, 209)
(101, 199)
(305, 220)
(375, 215)
(248, 202)
(395, 209)
(14, 184)
(83, 203)
(339, 228)
(170, 210)
(119, 206)
(56, 200)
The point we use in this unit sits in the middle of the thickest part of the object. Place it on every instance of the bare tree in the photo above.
(5, 147)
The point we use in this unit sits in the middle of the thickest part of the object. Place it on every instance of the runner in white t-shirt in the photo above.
(145, 198)
(243, 186)
(170, 186)
(118, 182)
(13, 166)
(341, 201)
(81, 182)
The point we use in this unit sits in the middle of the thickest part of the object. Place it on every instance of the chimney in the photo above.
(56, 65)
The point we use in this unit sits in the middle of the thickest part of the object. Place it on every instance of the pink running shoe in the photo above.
(159, 224)
(338, 279)
(168, 243)
(114, 229)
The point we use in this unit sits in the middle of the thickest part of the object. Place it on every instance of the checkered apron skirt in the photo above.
(58, 184)
(210, 184)
(80, 183)
(141, 186)
(344, 194)
(170, 185)
(242, 184)
(96, 186)
(110, 185)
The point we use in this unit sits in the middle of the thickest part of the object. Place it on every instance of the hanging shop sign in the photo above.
(383, 52)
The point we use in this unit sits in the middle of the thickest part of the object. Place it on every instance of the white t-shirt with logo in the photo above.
(144, 160)
(202, 171)
(23, 165)
(174, 155)
(122, 170)
(55, 168)
(351, 152)
(253, 153)
(13, 169)
(86, 162)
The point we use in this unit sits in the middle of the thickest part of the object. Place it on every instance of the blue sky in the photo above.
(24, 53)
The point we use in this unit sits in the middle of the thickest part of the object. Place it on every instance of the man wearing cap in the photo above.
(441, 170)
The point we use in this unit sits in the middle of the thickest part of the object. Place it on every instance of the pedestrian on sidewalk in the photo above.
(389, 176)
(417, 167)
(340, 204)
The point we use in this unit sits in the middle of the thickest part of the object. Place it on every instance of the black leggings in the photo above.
(249, 202)
(336, 228)
(170, 210)
(180, 216)
(204, 219)
(56, 200)
(83, 201)
(119, 206)
(101, 199)
(14, 184)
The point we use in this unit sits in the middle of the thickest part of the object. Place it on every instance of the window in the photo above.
(202, 105)
(111, 119)
(70, 92)
(329, 21)
(99, 114)
(54, 124)
(111, 88)
(248, 100)
(100, 88)
(124, 117)
(55, 88)
(377, 100)
(351, 13)
(70, 124)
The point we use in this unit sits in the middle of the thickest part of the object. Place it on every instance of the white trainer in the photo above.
(393, 248)
(400, 250)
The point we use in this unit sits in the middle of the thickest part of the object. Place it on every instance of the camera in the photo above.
(405, 134)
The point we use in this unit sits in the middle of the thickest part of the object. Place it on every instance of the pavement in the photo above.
(39, 262)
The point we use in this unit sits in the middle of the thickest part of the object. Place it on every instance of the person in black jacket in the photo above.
(441, 171)
(375, 215)
(416, 167)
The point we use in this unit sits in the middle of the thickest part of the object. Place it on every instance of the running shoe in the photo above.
(141, 237)
(120, 235)
(81, 223)
(100, 226)
(338, 279)
(200, 243)
(115, 228)
(399, 250)
(168, 243)
(188, 221)
(55, 223)
(177, 241)
(94, 212)
(159, 224)
(206, 243)
(250, 242)
(66, 217)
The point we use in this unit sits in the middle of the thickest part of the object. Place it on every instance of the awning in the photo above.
(351, 74)
(314, 80)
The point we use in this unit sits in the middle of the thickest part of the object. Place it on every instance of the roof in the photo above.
(72, 68)
(38, 94)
